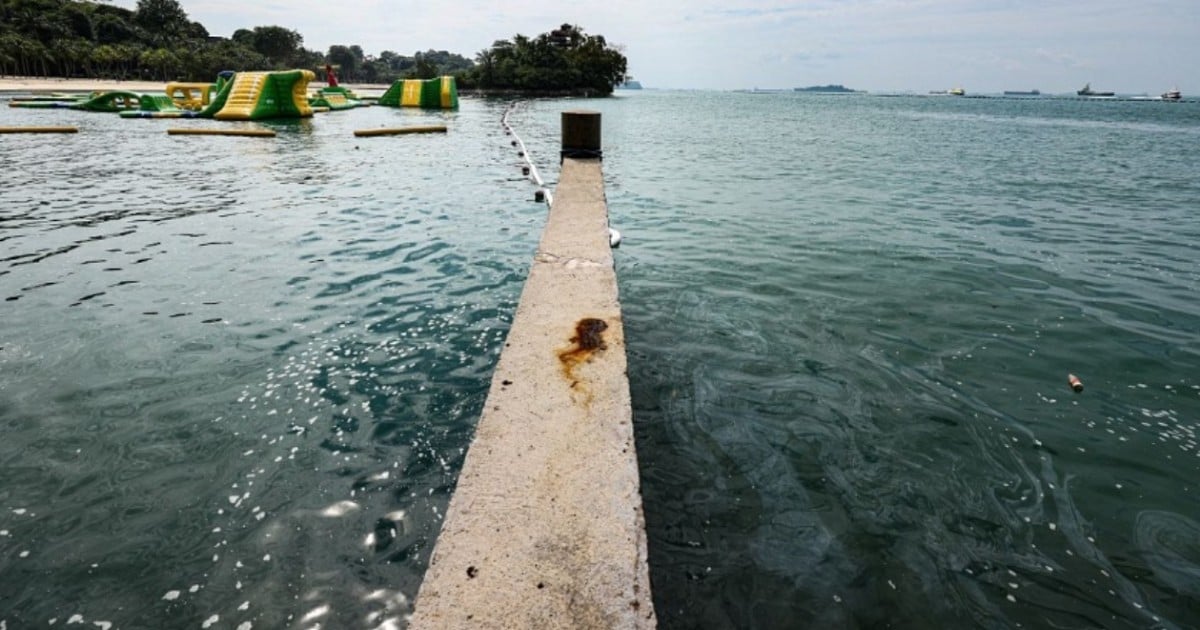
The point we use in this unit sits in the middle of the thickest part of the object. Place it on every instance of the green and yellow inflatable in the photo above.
(440, 93)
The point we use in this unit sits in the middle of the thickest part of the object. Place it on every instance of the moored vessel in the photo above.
(1087, 90)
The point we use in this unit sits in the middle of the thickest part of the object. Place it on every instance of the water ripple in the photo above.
(206, 346)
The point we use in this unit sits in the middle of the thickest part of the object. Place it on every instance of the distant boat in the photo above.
(1172, 95)
(1086, 90)
(827, 89)
(1020, 93)
(956, 92)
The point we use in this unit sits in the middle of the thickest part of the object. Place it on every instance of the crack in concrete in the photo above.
(569, 263)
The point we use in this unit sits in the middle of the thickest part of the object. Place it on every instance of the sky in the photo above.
(983, 46)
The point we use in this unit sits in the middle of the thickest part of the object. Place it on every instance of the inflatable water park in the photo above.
(438, 93)
(250, 96)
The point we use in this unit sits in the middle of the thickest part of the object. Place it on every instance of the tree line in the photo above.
(564, 60)
(158, 41)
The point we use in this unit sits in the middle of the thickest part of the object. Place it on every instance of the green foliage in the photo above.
(161, 19)
(157, 41)
(277, 44)
(352, 65)
(563, 60)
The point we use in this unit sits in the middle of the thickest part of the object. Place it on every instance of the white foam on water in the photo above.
(210, 621)
(172, 595)
(315, 613)
(341, 508)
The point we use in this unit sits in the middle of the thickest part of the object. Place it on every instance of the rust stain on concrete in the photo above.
(588, 340)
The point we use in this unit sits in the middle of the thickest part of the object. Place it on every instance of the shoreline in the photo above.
(42, 85)
(21, 85)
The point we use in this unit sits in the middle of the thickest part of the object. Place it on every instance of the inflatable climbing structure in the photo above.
(335, 98)
(240, 96)
(441, 93)
(257, 95)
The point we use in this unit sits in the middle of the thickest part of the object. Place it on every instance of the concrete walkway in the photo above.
(545, 528)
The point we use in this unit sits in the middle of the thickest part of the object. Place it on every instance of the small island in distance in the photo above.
(828, 89)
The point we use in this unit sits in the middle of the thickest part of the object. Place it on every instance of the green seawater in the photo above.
(238, 376)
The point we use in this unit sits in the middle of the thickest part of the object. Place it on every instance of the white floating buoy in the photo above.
(614, 238)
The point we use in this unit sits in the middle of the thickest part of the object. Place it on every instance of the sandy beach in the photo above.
(38, 84)
(35, 85)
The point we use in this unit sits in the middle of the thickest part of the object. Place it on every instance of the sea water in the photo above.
(238, 376)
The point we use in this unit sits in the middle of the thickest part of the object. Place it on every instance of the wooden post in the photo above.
(581, 134)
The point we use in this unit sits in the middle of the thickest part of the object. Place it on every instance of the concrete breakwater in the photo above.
(545, 528)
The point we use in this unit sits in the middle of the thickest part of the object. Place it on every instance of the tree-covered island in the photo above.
(158, 41)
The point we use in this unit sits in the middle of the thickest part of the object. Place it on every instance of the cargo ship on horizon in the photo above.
(1086, 90)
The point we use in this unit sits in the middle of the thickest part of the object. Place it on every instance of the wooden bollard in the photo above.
(581, 134)
(254, 133)
(39, 129)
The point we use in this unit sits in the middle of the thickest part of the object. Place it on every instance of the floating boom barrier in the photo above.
(396, 131)
(39, 129)
(253, 133)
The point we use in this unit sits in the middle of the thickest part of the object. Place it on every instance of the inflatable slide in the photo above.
(257, 95)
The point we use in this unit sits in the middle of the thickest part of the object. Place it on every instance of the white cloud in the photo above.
(986, 45)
